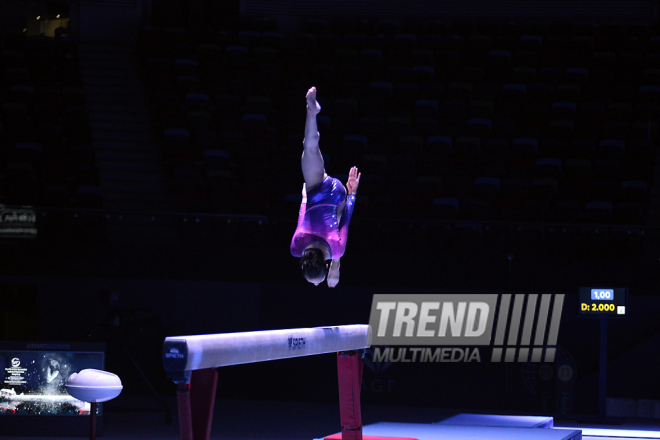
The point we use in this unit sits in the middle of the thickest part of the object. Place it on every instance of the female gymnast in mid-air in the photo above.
(325, 210)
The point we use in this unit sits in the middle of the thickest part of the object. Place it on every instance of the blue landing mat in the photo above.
(609, 433)
(501, 421)
(451, 432)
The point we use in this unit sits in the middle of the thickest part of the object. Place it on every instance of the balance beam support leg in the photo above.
(185, 412)
(349, 369)
(203, 385)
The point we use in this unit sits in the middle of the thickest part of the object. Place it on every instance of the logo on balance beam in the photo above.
(296, 343)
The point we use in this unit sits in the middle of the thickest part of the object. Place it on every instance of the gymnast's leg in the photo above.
(313, 167)
(312, 260)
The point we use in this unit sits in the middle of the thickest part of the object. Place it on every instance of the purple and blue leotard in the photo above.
(317, 219)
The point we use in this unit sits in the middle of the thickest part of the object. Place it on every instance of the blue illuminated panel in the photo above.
(605, 301)
(602, 294)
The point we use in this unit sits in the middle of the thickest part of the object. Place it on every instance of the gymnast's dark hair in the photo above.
(313, 263)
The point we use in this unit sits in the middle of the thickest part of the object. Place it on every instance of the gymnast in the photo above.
(325, 211)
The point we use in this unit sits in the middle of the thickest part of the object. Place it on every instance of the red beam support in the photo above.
(185, 411)
(203, 385)
(195, 401)
(349, 369)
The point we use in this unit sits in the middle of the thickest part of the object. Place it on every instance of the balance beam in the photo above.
(191, 362)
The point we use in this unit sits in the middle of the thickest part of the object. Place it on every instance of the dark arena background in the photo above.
(150, 185)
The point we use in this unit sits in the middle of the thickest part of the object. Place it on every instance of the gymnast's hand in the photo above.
(333, 273)
(353, 181)
(313, 107)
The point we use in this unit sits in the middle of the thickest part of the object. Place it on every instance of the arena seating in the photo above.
(550, 123)
(46, 155)
(458, 120)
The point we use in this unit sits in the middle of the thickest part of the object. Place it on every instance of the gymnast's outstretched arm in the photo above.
(352, 186)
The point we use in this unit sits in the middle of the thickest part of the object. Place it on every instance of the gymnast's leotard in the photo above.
(317, 219)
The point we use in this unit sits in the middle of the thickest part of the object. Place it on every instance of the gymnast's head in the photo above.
(313, 265)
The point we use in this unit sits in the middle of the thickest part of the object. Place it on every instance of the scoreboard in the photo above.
(610, 302)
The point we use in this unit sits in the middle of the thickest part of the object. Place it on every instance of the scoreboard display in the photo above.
(610, 302)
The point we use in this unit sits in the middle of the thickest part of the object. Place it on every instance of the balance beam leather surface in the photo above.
(198, 352)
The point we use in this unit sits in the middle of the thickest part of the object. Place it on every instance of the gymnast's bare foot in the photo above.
(313, 107)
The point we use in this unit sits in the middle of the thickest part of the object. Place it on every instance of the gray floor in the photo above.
(255, 420)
